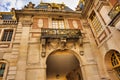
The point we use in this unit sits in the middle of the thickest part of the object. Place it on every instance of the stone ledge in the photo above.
(13, 68)
(11, 77)
(11, 72)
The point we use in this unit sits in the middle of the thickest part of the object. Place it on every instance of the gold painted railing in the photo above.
(8, 22)
(60, 33)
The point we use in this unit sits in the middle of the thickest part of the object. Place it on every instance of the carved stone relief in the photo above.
(54, 43)
(70, 44)
(75, 24)
(60, 44)
(40, 23)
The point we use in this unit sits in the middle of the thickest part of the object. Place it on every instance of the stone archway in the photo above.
(63, 65)
(111, 58)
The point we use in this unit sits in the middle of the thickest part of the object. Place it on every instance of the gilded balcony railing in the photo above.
(60, 33)
(8, 22)
(115, 10)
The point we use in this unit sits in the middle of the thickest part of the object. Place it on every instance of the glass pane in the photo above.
(58, 23)
(96, 23)
(1, 73)
(10, 35)
(117, 71)
(5, 34)
(2, 68)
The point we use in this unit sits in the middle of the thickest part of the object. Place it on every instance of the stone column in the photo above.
(90, 66)
(43, 73)
(21, 64)
(43, 60)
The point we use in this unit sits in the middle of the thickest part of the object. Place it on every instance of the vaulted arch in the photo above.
(63, 65)
(3, 69)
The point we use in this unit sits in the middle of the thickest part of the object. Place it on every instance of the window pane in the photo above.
(58, 23)
(118, 71)
(115, 61)
(1, 73)
(7, 35)
(10, 35)
(2, 68)
(96, 23)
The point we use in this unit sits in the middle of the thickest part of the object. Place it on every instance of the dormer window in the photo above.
(55, 8)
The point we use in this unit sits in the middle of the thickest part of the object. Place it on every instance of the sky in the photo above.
(6, 5)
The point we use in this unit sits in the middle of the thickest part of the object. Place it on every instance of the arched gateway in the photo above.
(63, 65)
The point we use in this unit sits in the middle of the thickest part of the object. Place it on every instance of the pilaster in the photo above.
(21, 64)
(89, 68)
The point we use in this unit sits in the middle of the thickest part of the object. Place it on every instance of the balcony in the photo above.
(8, 22)
(115, 11)
(60, 33)
(114, 14)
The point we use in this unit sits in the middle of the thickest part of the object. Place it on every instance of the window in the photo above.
(7, 35)
(95, 23)
(2, 69)
(55, 8)
(58, 23)
(115, 61)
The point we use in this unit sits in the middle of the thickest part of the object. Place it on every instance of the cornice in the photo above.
(47, 12)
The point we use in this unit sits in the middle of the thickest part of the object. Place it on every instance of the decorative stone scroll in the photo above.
(60, 44)
(43, 53)
(30, 5)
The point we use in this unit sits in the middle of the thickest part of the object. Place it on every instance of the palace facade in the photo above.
(50, 41)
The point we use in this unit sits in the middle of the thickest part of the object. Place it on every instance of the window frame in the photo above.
(7, 38)
(116, 66)
(4, 77)
(92, 18)
(58, 23)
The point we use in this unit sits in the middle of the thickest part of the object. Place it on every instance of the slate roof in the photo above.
(6, 16)
(45, 6)
(41, 7)
(68, 9)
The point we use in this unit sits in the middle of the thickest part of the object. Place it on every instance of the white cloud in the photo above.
(6, 5)
(19, 4)
(70, 3)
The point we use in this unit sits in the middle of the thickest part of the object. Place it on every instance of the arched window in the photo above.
(115, 61)
(3, 69)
